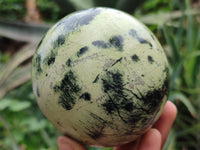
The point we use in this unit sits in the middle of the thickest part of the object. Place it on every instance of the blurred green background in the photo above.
(176, 23)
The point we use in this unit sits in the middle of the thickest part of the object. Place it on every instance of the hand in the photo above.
(154, 139)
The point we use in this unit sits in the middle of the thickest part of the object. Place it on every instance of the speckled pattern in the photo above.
(101, 77)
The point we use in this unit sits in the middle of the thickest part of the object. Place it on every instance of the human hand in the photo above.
(154, 139)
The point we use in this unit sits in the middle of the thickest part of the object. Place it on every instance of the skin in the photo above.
(154, 139)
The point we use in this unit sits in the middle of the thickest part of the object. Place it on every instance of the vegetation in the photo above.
(175, 23)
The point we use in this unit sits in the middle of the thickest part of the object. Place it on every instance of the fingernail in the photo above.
(64, 145)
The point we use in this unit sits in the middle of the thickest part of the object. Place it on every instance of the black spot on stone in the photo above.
(113, 87)
(98, 118)
(69, 62)
(135, 58)
(61, 39)
(95, 133)
(142, 75)
(96, 130)
(58, 123)
(166, 69)
(37, 63)
(109, 106)
(96, 79)
(117, 61)
(134, 34)
(50, 59)
(79, 19)
(119, 98)
(113, 82)
(75, 129)
(82, 51)
(117, 42)
(100, 44)
(150, 44)
(68, 89)
(150, 59)
(133, 119)
(128, 106)
(86, 96)
(153, 99)
(46, 74)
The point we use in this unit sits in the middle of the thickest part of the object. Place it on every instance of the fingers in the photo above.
(164, 123)
(130, 146)
(151, 140)
(65, 143)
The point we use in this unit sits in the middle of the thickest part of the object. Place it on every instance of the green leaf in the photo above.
(166, 17)
(18, 77)
(128, 5)
(48, 140)
(25, 53)
(34, 124)
(170, 38)
(191, 91)
(170, 142)
(190, 25)
(105, 3)
(82, 4)
(93, 148)
(193, 129)
(4, 57)
(181, 97)
(23, 31)
(180, 36)
(13, 76)
(176, 72)
(107, 148)
(5, 103)
(99, 148)
(18, 135)
(190, 67)
(66, 6)
(16, 105)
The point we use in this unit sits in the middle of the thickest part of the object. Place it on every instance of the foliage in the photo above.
(177, 25)
(181, 31)
(4, 57)
(19, 127)
(15, 6)
(49, 10)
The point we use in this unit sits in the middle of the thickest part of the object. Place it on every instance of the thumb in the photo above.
(65, 143)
